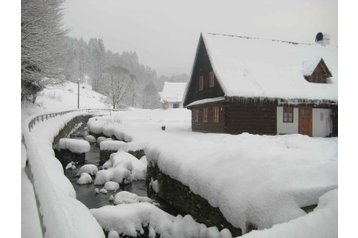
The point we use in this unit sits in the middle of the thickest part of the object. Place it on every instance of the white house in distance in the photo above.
(172, 95)
(263, 86)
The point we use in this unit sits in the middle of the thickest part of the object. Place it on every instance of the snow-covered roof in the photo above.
(204, 101)
(172, 92)
(253, 67)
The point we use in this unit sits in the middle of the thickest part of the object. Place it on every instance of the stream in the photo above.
(86, 193)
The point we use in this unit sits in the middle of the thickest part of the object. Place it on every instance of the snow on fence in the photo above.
(61, 214)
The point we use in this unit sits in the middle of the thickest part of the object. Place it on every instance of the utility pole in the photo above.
(78, 94)
(78, 85)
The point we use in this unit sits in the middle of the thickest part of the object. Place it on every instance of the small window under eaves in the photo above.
(319, 73)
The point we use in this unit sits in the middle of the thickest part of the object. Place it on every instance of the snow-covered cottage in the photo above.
(172, 95)
(263, 86)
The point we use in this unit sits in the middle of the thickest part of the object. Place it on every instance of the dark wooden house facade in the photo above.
(215, 110)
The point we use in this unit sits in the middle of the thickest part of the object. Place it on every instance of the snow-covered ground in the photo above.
(263, 180)
(260, 180)
(64, 97)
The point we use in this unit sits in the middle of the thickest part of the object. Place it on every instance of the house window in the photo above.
(195, 115)
(211, 80)
(287, 114)
(216, 114)
(205, 114)
(175, 105)
(201, 83)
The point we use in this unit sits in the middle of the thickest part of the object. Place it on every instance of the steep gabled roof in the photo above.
(253, 67)
(172, 92)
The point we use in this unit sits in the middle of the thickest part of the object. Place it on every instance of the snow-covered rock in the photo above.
(137, 168)
(154, 185)
(88, 168)
(111, 186)
(85, 178)
(125, 197)
(71, 166)
(103, 176)
(113, 234)
(100, 139)
(103, 190)
(112, 145)
(111, 198)
(90, 139)
(74, 145)
(121, 175)
(107, 164)
(127, 219)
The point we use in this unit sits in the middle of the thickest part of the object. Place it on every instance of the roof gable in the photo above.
(317, 72)
(201, 68)
(251, 67)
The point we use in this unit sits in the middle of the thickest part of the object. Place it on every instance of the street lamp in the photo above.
(78, 94)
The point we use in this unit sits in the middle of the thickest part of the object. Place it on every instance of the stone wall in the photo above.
(64, 132)
(66, 156)
(183, 199)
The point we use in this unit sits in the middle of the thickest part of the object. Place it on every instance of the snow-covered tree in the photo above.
(118, 80)
(41, 45)
(150, 96)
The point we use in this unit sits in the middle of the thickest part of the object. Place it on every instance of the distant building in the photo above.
(262, 86)
(172, 95)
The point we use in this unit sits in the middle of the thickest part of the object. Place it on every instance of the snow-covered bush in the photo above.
(88, 168)
(85, 178)
(74, 145)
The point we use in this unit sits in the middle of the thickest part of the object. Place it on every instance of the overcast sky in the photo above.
(164, 33)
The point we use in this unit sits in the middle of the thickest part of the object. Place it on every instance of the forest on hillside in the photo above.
(49, 56)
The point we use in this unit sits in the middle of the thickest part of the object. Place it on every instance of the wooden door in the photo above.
(305, 121)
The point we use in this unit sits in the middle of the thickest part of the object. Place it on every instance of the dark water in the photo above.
(86, 193)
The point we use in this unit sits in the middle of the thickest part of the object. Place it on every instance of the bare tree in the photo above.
(118, 80)
(41, 45)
